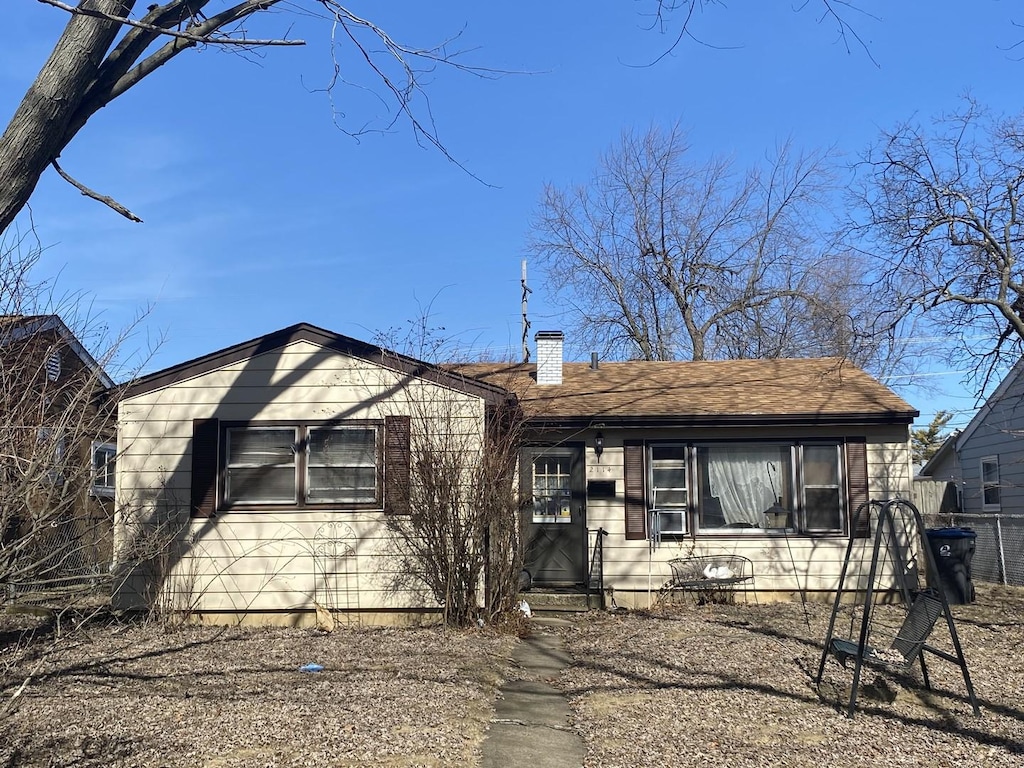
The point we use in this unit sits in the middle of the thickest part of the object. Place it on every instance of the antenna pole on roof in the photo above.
(526, 321)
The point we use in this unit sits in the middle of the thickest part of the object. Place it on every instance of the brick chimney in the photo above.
(549, 356)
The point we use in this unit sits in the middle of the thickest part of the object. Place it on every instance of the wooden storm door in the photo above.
(556, 552)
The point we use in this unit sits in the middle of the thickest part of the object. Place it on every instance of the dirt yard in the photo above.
(711, 685)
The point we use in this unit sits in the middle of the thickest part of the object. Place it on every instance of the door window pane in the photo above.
(552, 489)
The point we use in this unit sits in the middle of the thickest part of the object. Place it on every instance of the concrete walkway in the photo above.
(531, 717)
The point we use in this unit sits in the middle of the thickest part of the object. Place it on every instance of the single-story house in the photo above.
(665, 459)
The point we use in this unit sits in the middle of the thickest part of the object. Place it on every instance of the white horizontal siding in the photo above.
(267, 561)
(276, 561)
(780, 563)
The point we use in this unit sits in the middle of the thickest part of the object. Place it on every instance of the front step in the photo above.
(553, 601)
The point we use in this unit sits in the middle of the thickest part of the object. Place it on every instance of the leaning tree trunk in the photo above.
(39, 129)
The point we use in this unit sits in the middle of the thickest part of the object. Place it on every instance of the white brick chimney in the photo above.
(549, 356)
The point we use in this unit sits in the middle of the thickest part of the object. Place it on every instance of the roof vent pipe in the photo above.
(549, 356)
(593, 361)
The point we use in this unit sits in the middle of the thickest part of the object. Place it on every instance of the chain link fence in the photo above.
(999, 553)
(70, 558)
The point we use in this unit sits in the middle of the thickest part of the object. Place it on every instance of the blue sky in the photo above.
(260, 213)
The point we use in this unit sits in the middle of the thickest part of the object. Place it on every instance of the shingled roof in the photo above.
(791, 391)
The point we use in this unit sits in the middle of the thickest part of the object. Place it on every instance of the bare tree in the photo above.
(678, 19)
(56, 441)
(941, 210)
(662, 258)
(460, 538)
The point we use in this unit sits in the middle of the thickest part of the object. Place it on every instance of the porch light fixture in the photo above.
(598, 445)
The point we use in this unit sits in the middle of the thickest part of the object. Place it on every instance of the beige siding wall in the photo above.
(285, 560)
(782, 564)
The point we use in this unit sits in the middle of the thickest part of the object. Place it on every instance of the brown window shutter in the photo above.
(397, 464)
(857, 479)
(636, 505)
(205, 435)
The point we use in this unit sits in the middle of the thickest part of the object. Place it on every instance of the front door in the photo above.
(556, 552)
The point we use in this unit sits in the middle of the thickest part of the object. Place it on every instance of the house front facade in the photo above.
(767, 459)
(259, 480)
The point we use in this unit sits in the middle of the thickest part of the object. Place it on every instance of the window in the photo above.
(741, 485)
(104, 468)
(669, 496)
(732, 487)
(990, 483)
(341, 465)
(823, 489)
(51, 443)
(302, 465)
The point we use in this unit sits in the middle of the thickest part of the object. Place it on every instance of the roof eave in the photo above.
(724, 420)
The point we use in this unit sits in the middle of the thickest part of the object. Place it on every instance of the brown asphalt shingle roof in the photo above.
(747, 390)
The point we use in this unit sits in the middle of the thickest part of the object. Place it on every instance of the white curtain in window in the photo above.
(747, 480)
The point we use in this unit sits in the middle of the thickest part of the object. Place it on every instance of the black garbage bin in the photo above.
(952, 550)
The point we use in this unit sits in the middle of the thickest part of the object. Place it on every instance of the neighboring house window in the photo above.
(53, 449)
(734, 487)
(990, 483)
(302, 465)
(104, 468)
(669, 488)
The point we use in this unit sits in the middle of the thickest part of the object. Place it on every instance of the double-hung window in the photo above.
(822, 488)
(104, 468)
(302, 465)
(990, 483)
(341, 465)
(669, 489)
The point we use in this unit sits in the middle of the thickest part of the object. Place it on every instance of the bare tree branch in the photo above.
(105, 199)
(240, 11)
(941, 209)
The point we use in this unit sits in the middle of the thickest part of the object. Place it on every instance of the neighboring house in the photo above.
(983, 468)
(57, 470)
(259, 479)
(986, 459)
(228, 451)
(763, 458)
